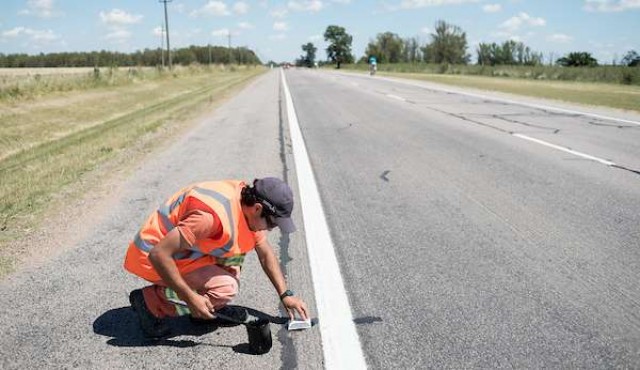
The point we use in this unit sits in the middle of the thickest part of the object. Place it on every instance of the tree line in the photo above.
(146, 57)
(447, 45)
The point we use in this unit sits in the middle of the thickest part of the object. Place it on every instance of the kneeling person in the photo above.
(193, 246)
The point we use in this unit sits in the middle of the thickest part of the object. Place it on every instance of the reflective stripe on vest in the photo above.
(181, 310)
(164, 212)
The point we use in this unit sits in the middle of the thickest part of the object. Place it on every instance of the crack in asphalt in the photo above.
(511, 120)
(289, 354)
(602, 124)
(467, 119)
(637, 172)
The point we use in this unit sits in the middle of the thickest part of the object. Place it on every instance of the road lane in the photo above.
(464, 246)
(73, 311)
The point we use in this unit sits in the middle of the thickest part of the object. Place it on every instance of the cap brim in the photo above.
(285, 224)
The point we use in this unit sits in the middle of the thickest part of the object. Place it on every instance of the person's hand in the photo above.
(200, 306)
(293, 304)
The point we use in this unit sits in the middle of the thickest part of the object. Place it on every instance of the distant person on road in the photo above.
(193, 246)
(373, 65)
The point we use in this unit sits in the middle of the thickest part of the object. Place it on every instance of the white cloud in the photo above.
(221, 32)
(315, 38)
(158, 31)
(214, 8)
(14, 32)
(280, 36)
(179, 8)
(31, 34)
(426, 30)
(560, 38)
(117, 17)
(279, 13)
(118, 35)
(492, 8)
(305, 5)
(245, 25)
(280, 26)
(240, 7)
(611, 5)
(412, 4)
(514, 23)
(40, 8)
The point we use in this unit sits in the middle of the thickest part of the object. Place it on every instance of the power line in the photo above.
(166, 24)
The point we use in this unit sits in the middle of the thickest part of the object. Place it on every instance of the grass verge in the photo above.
(588, 93)
(41, 167)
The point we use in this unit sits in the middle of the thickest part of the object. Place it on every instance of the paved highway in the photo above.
(463, 245)
(469, 231)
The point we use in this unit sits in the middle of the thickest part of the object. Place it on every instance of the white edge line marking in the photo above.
(530, 105)
(340, 342)
(396, 97)
(567, 150)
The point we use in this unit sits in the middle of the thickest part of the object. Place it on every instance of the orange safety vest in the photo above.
(219, 197)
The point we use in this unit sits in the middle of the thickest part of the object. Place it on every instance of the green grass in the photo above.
(51, 142)
(598, 94)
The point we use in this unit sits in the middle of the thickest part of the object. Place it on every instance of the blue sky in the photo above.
(277, 29)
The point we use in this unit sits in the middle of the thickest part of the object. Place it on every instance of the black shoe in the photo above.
(152, 326)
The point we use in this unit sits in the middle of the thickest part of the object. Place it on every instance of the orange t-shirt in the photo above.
(198, 225)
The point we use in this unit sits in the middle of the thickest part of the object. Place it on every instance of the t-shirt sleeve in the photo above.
(260, 236)
(198, 225)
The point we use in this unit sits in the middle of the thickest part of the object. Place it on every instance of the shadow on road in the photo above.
(122, 326)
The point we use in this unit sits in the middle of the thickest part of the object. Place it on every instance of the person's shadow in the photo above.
(122, 327)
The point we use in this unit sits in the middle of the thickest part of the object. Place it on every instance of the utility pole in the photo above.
(229, 34)
(166, 24)
(162, 44)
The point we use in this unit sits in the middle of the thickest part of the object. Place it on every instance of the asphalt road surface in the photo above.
(470, 232)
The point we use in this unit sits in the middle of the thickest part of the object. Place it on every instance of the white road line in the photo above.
(396, 97)
(340, 342)
(567, 150)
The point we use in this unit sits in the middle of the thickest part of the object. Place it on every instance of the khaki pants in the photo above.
(219, 284)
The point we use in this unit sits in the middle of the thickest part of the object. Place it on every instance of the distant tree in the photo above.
(146, 57)
(448, 45)
(387, 48)
(577, 59)
(310, 57)
(510, 52)
(339, 49)
(411, 50)
(631, 59)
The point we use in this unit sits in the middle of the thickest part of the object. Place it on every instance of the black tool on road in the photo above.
(258, 330)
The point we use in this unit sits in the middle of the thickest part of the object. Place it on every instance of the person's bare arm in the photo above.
(161, 257)
(271, 267)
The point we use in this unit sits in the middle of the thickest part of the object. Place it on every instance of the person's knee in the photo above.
(222, 291)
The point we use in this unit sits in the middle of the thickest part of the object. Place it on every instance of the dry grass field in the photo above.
(50, 139)
(44, 71)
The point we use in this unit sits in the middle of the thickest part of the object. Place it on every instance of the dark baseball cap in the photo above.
(276, 196)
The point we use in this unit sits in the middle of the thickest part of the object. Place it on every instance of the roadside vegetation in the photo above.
(55, 130)
(510, 66)
(587, 93)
